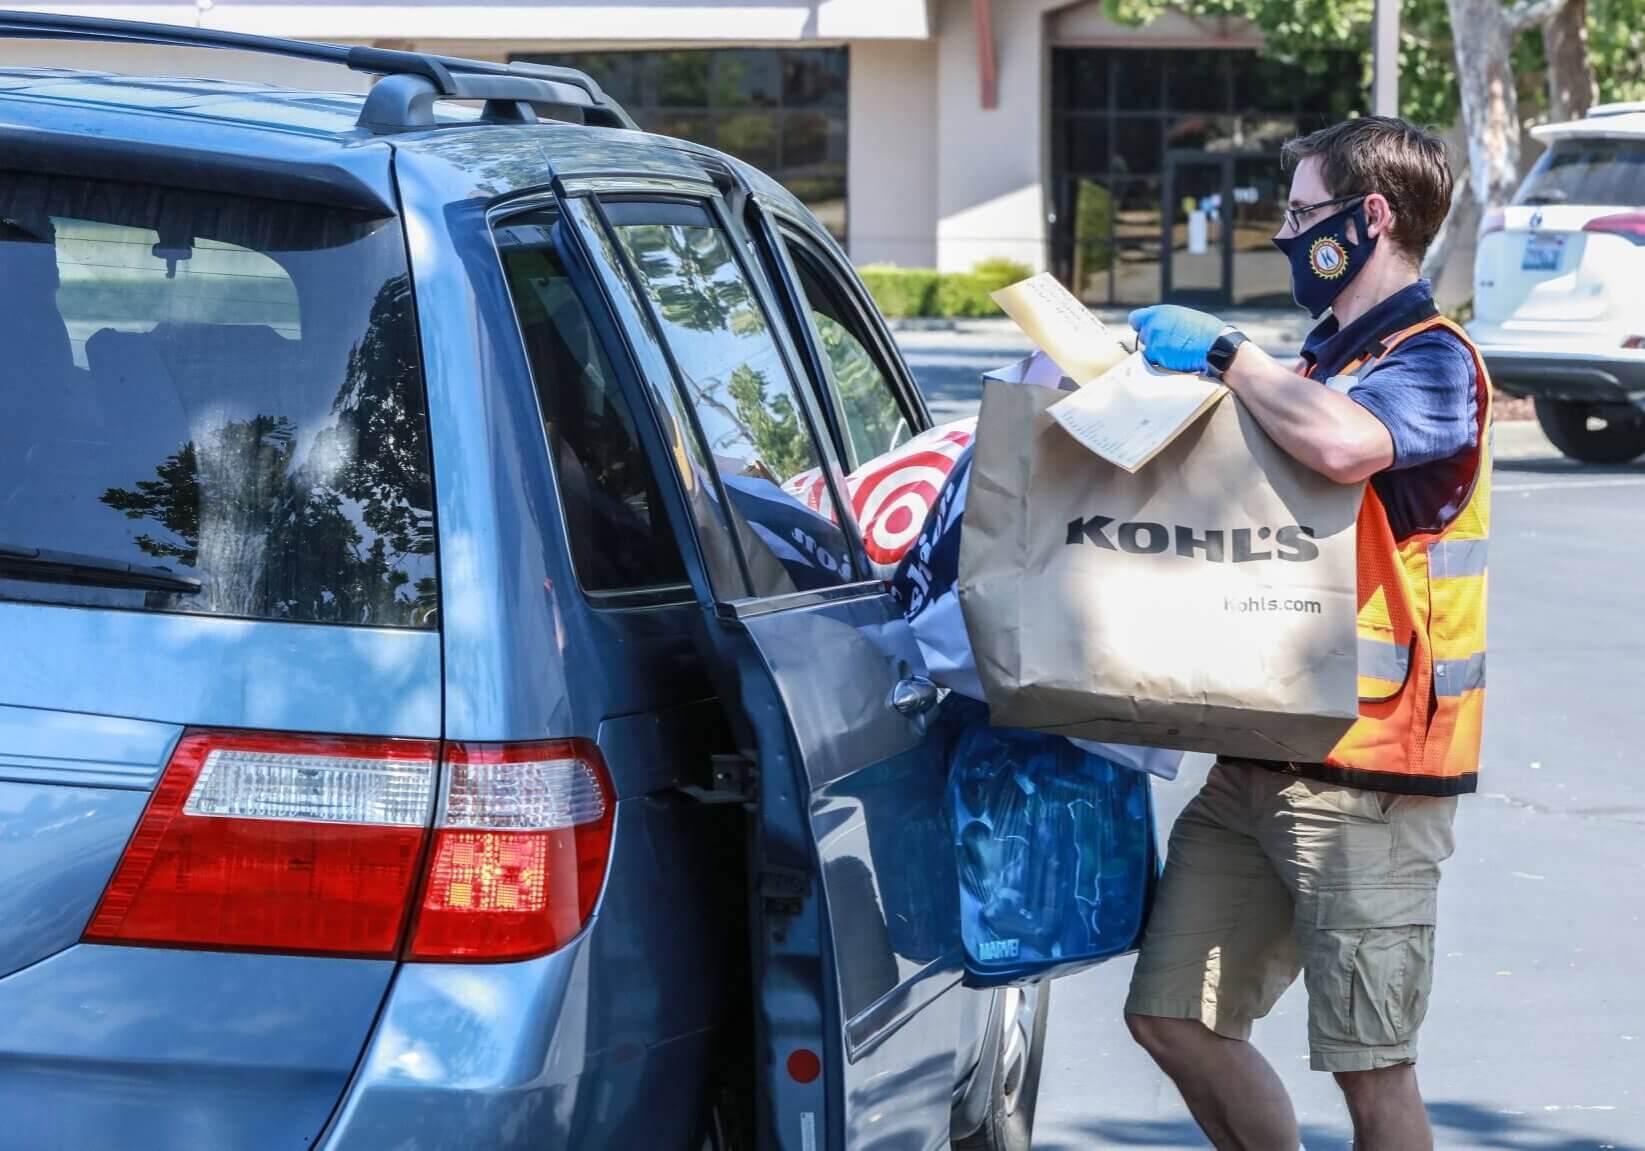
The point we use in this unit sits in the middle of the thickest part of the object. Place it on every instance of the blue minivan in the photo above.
(424, 721)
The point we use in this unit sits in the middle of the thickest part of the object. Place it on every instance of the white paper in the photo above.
(1199, 233)
(1064, 328)
(1128, 414)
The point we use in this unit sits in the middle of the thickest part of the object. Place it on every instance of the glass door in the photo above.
(1196, 253)
(1262, 275)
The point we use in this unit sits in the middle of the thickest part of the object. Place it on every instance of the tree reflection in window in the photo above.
(699, 290)
(274, 535)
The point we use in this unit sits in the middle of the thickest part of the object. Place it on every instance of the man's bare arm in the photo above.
(1323, 429)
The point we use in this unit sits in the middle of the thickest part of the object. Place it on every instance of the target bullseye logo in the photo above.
(892, 494)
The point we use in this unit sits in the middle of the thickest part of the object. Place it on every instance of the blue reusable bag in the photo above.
(1054, 848)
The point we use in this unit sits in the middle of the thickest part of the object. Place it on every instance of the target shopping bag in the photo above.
(891, 495)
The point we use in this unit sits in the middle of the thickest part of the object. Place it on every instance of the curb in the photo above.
(1522, 440)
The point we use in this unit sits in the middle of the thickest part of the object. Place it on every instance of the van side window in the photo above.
(750, 416)
(859, 388)
(620, 538)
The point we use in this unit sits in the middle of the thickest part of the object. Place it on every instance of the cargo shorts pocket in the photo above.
(1368, 965)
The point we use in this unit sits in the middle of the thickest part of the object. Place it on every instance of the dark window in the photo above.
(1138, 78)
(752, 136)
(225, 387)
(752, 419)
(746, 78)
(1084, 145)
(815, 79)
(860, 390)
(1603, 173)
(1137, 145)
(1197, 81)
(620, 539)
(782, 110)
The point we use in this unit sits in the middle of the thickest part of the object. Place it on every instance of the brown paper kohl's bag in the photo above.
(1206, 601)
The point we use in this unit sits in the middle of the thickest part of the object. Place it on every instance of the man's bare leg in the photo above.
(1387, 1109)
(1234, 1095)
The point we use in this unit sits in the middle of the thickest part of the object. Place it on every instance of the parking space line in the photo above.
(1562, 485)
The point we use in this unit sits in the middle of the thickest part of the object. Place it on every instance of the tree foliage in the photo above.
(331, 534)
(1298, 32)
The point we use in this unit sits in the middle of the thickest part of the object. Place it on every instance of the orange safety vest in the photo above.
(1421, 629)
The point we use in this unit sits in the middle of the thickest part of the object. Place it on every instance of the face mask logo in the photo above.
(1328, 258)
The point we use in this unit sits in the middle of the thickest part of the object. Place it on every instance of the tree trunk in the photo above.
(1484, 37)
(1571, 87)
(1458, 217)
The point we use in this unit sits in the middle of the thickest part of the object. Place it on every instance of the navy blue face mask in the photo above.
(1324, 260)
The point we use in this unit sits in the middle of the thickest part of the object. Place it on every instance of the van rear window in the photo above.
(210, 404)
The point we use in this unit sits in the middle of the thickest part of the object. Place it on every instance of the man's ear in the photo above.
(1379, 216)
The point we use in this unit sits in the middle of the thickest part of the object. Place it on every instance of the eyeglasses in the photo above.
(1295, 216)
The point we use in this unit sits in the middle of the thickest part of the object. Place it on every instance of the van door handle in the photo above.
(915, 695)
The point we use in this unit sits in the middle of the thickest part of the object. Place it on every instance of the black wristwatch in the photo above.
(1222, 353)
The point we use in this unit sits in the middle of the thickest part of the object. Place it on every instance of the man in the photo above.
(1332, 868)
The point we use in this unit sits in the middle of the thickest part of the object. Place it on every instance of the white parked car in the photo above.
(1559, 286)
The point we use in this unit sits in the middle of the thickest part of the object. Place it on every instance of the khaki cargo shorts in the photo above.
(1269, 874)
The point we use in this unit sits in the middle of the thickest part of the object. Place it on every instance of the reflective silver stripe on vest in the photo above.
(1453, 559)
(1455, 676)
(1379, 659)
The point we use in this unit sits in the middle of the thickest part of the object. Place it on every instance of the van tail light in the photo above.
(1495, 220)
(1629, 225)
(521, 846)
(275, 843)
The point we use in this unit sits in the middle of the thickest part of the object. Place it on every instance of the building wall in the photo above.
(991, 162)
(891, 161)
(1088, 23)
(142, 60)
(556, 24)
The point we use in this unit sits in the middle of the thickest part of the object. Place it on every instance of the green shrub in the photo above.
(1000, 273)
(965, 294)
(901, 291)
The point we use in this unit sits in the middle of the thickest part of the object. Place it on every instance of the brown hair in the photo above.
(1405, 163)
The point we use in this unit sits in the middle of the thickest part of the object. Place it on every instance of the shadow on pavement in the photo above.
(1153, 1133)
(1498, 1130)
(1462, 1125)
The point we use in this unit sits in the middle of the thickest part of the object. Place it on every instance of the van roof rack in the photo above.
(410, 83)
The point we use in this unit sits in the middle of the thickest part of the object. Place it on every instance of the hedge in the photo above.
(902, 291)
(965, 294)
(926, 292)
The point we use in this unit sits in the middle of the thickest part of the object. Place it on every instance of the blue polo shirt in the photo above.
(1423, 392)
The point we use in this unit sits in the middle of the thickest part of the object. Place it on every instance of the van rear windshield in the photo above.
(1598, 172)
(220, 394)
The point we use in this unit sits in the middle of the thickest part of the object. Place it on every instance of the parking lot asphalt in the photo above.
(1535, 1040)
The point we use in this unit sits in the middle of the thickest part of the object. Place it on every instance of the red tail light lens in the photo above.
(520, 851)
(1629, 225)
(275, 843)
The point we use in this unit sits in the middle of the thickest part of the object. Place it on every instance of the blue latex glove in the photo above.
(1175, 338)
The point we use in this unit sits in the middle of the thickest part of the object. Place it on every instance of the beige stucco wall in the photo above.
(891, 161)
(142, 60)
(990, 162)
(681, 21)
